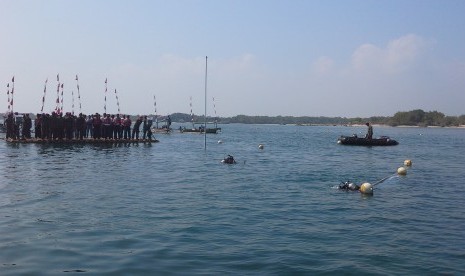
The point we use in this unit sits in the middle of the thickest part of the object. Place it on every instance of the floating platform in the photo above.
(80, 141)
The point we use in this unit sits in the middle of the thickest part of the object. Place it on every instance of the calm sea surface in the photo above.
(171, 208)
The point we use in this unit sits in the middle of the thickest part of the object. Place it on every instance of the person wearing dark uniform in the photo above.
(146, 128)
(60, 126)
(45, 126)
(38, 126)
(27, 125)
(81, 126)
(370, 131)
(168, 123)
(10, 126)
(68, 123)
(135, 130)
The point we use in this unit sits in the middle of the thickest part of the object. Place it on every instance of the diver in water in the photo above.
(349, 186)
(229, 160)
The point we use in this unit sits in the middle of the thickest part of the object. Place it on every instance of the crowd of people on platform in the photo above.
(58, 126)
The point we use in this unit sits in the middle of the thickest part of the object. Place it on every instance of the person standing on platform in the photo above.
(38, 126)
(136, 128)
(81, 126)
(10, 126)
(97, 126)
(117, 127)
(369, 134)
(89, 131)
(127, 127)
(27, 125)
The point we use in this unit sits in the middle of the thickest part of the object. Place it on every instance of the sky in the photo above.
(332, 58)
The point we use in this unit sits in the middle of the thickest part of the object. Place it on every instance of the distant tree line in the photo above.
(416, 117)
(419, 117)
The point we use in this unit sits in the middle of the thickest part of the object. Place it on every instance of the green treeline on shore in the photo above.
(416, 117)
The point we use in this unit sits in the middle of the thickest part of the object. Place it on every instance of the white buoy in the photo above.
(220, 141)
(402, 171)
(260, 146)
(408, 163)
(366, 188)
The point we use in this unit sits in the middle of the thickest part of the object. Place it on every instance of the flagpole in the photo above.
(72, 102)
(12, 92)
(214, 109)
(192, 114)
(105, 105)
(43, 98)
(79, 94)
(8, 93)
(62, 107)
(58, 94)
(155, 106)
(117, 102)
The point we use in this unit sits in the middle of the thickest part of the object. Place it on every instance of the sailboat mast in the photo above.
(205, 116)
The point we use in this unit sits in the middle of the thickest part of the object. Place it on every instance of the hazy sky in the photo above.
(299, 58)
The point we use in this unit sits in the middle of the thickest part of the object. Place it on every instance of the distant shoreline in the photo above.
(377, 125)
(414, 118)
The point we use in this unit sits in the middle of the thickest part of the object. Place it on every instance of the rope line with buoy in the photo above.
(367, 188)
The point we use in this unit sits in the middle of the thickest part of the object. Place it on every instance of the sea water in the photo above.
(172, 208)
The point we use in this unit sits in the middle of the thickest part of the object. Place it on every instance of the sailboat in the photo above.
(193, 129)
(203, 127)
(165, 128)
(214, 129)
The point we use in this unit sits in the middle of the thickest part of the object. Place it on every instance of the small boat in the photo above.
(209, 130)
(358, 141)
(161, 130)
(166, 127)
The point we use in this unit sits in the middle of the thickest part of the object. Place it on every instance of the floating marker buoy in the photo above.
(260, 146)
(220, 142)
(366, 188)
(408, 163)
(401, 171)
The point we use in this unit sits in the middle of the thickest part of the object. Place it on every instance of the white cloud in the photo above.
(398, 55)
